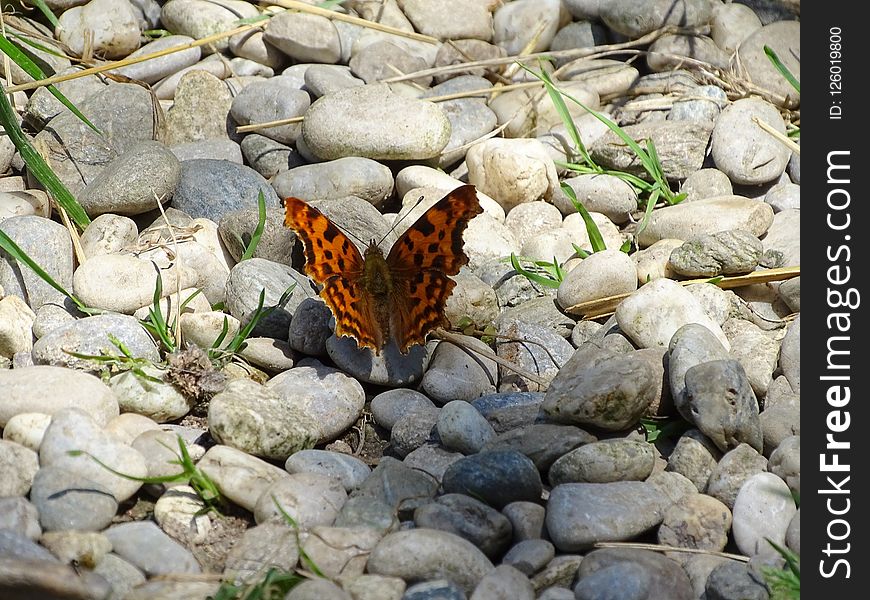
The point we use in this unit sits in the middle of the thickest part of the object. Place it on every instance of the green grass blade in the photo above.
(258, 231)
(782, 68)
(31, 68)
(580, 251)
(37, 166)
(43, 8)
(595, 238)
(531, 276)
(647, 213)
(11, 248)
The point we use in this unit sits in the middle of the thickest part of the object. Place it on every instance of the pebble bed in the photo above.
(441, 474)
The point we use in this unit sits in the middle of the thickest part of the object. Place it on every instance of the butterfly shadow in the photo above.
(389, 368)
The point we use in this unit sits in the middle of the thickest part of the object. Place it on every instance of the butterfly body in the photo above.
(400, 297)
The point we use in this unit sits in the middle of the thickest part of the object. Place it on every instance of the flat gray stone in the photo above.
(211, 188)
(144, 545)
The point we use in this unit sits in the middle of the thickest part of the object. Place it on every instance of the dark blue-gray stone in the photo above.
(211, 188)
(498, 477)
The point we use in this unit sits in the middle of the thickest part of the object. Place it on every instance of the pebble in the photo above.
(271, 100)
(691, 219)
(389, 406)
(785, 462)
(670, 52)
(582, 514)
(693, 458)
(473, 300)
(216, 149)
(396, 485)
(706, 183)
(273, 543)
(600, 389)
(634, 19)
(16, 324)
(653, 314)
(628, 573)
(742, 150)
(325, 395)
(19, 465)
(442, 589)
(432, 459)
(462, 428)
(778, 423)
(723, 405)
(602, 193)
(690, 345)
(372, 121)
(497, 477)
(266, 156)
(258, 421)
(698, 521)
(533, 348)
(336, 179)
(560, 573)
(602, 274)
(604, 462)
(108, 234)
(723, 253)
(320, 80)
(453, 374)
(529, 219)
(653, 262)
(423, 554)
(783, 37)
(732, 471)
(732, 581)
(731, 24)
(543, 443)
(783, 236)
(241, 478)
(144, 545)
(509, 410)
(43, 106)
(469, 518)
(350, 470)
(512, 171)
(704, 104)
(309, 498)
(784, 197)
(413, 430)
(183, 515)
(20, 517)
(152, 71)
(504, 581)
(756, 351)
(530, 556)
(304, 37)
(157, 400)
(120, 574)
(48, 244)
(109, 29)
(67, 500)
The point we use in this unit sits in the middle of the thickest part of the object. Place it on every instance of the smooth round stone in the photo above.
(471, 299)
(201, 102)
(706, 183)
(48, 244)
(251, 45)
(161, 450)
(732, 471)
(423, 554)
(469, 121)
(602, 274)
(304, 37)
(486, 239)
(432, 459)
(124, 283)
(242, 478)
(527, 521)
(19, 465)
(629, 573)
(467, 517)
(317, 589)
(532, 218)
(793, 533)
(559, 575)
(15, 545)
(350, 470)
(529, 556)
(704, 104)
(732, 580)
(335, 179)
(20, 517)
(266, 156)
(574, 223)
(462, 428)
(237, 228)
(152, 71)
(380, 60)
(577, 34)
(397, 485)
(604, 194)
(213, 148)
(449, 20)
(516, 24)
(784, 197)
(692, 459)
(388, 407)
(763, 509)
(512, 171)
(783, 38)
(497, 477)
(412, 430)
(90, 336)
(43, 106)
(372, 122)
(132, 183)
(211, 188)
(274, 543)
(454, 375)
(271, 100)
(543, 443)
(779, 423)
(157, 400)
(326, 395)
(510, 410)
(731, 24)
(108, 29)
(634, 18)
(58, 388)
(697, 521)
(581, 514)
(73, 429)
(723, 405)
(670, 51)
(722, 253)
(19, 203)
(268, 354)
(756, 350)
(742, 150)
(257, 420)
(651, 315)
(548, 245)
(309, 498)
(66, 500)
(601, 389)
(120, 574)
(783, 236)
(16, 326)
(692, 344)
(204, 328)
(324, 79)
(604, 462)
(691, 219)
(538, 350)
(461, 51)
(680, 145)
(251, 277)
(198, 18)
(785, 462)
(108, 234)
(183, 515)
(143, 544)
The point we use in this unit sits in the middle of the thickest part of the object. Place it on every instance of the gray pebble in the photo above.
(213, 148)
(455, 374)
(778, 424)
(309, 498)
(383, 59)
(527, 520)
(530, 556)
(757, 351)
(242, 478)
(107, 234)
(723, 253)
(604, 462)
(398, 486)
(497, 477)
(694, 457)
(49, 245)
(309, 328)
(152, 71)
(645, 575)
(211, 188)
(273, 543)
(762, 510)
(462, 428)
(390, 368)
(703, 104)
(783, 37)
(350, 470)
(543, 443)
(467, 517)
(634, 19)
(706, 183)
(469, 121)
(20, 517)
(670, 52)
(362, 511)
(335, 179)
(504, 581)
(690, 345)
(536, 349)
(271, 100)
(735, 581)
(785, 462)
(19, 465)
(413, 429)
(697, 521)
(436, 589)
(784, 197)
(66, 500)
(541, 310)
(304, 37)
(266, 156)
(508, 411)
(325, 79)
(388, 407)
(744, 151)
(143, 544)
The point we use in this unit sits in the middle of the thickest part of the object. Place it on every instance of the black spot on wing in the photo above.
(331, 232)
(424, 225)
(433, 248)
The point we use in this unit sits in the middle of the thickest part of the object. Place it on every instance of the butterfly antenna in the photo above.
(405, 216)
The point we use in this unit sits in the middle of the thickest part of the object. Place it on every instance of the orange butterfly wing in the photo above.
(333, 261)
(420, 264)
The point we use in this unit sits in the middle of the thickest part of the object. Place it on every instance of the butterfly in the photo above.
(401, 297)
